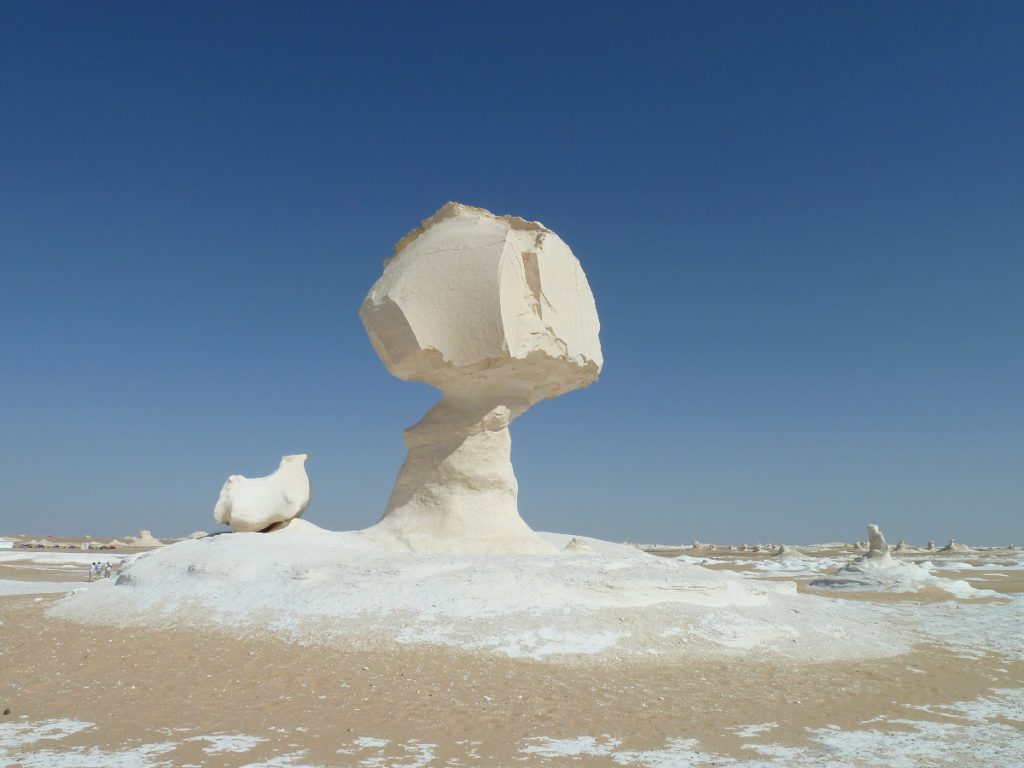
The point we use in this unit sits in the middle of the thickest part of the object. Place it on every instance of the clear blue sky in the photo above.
(803, 224)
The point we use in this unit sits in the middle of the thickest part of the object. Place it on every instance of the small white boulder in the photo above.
(257, 503)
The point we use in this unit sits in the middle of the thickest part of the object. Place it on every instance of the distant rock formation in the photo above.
(790, 553)
(955, 546)
(145, 539)
(876, 542)
(931, 545)
(877, 569)
(496, 312)
(876, 557)
(257, 503)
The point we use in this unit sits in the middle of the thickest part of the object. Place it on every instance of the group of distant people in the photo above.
(100, 570)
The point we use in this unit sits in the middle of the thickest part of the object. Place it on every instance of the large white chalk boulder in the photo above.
(496, 312)
(258, 503)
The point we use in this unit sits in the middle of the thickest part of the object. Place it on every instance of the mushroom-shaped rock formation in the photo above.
(258, 503)
(496, 312)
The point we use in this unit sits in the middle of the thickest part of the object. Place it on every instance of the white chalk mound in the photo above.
(878, 570)
(787, 552)
(258, 503)
(496, 312)
(314, 586)
(955, 546)
(578, 546)
(145, 539)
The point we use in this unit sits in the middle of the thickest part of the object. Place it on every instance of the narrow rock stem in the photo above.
(456, 490)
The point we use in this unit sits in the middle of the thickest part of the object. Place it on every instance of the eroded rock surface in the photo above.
(258, 503)
(496, 312)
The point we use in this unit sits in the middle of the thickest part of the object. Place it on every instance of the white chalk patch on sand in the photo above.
(581, 746)
(368, 742)
(290, 760)
(9, 587)
(980, 735)
(409, 754)
(974, 629)
(19, 734)
(31, 745)
(734, 630)
(954, 565)
(228, 742)
(749, 731)
(808, 567)
(981, 739)
(59, 558)
(547, 642)
(1004, 703)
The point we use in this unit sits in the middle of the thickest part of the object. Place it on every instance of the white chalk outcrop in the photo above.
(879, 570)
(496, 312)
(314, 586)
(145, 539)
(955, 546)
(877, 557)
(259, 503)
(787, 552)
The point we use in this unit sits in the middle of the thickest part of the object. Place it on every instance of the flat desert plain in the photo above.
(134, 690)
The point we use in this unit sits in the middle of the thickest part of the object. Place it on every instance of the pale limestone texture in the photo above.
(578, 546)
(496, 312)
(258, 503)
(875, 558)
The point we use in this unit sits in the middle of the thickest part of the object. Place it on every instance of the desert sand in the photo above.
(87, 694)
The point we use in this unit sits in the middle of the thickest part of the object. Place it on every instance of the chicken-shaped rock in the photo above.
(259, 503)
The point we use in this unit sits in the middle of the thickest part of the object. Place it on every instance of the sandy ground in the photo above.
(141, 686)
(200, 698)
